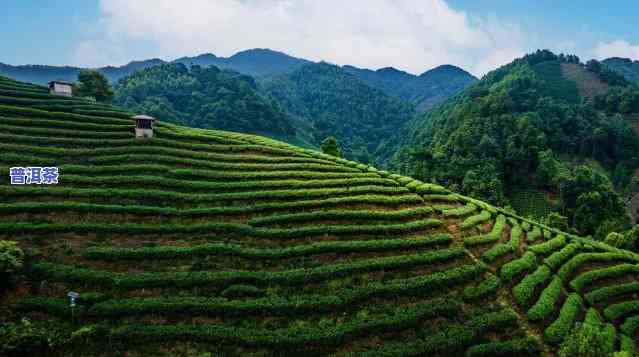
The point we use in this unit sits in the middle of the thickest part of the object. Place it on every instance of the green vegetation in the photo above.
(203, 98)
(591, 338)
(330, 146)
(473, 221)
(524, 291)
(202, 241)
(547, 301)
(528, 124)
(93, 84)
(514, 268)
(336, 103)
(494, 235)
(11, 259)
(560, 328)
(424, 91)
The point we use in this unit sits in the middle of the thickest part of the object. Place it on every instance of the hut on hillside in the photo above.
(143, 126)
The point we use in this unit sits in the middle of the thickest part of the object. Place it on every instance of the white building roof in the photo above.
(143, 117)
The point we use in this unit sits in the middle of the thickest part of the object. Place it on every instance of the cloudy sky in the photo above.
(413, 35)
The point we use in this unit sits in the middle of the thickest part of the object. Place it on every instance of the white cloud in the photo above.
(413, 35)
(617, 48)
(98, 54)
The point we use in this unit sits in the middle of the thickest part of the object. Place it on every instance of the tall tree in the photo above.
(94, 84)
(331, 146)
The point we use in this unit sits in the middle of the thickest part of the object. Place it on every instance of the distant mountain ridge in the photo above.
(423, 91)
(41, 74)
(625, 66)
(338, 103)
(254, 62)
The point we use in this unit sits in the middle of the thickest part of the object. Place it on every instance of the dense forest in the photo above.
(625, 66)
(546, 123)
(203, 98)
(423, 91)
(339, 104)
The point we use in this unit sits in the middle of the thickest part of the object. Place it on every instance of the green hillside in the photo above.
(625, 66)
(338, 103)
(424, 91)
(544, 122)
(203, 242)
(206, 98)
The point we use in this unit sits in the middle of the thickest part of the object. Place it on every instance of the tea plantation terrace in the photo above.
(242, 245)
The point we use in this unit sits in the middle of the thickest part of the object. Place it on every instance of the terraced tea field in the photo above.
(201, 240)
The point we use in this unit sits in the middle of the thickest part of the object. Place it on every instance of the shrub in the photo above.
(591, 277)
(367, 215)
(485, 288)
(526, 346)
(630, 326)
(607, 293)
(616, 311)
(557, 259)
(534, 234)
(242, 291)
(31, 337)
(518, 266)
(573, 264)
(11, 258)
(589, 339)
(291, 277)
(472, 221)
(400, 319)
(461, 211)
(494, 235)
(560, 328)
(430, 188)
(627, 345)
(172, 252)
(549, 246)
(547, 301)
(524, 291)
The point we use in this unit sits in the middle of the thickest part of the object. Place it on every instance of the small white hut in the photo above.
(143, 126)
(61, 88)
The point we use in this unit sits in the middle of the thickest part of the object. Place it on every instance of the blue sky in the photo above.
(413, 35)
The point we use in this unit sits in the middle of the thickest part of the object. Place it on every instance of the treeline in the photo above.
(203, 98)
(339, 104)
(525, 124)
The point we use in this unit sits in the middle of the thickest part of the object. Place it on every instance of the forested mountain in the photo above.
(339, 104)
(40, 74)
(627, 67)
(204, 98)
(423, 91)
(546, 123)
(254, 62)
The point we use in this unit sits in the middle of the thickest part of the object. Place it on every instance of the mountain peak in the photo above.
(392, 71)
(446, 69)
(260, 52)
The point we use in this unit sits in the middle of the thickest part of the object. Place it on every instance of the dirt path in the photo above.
(588, 84)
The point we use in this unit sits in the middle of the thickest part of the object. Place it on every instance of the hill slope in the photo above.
(424, 91)
(205, 98)
(339, 104)
(254, 62)
(544, 123)
(209, 241)
(627, 67)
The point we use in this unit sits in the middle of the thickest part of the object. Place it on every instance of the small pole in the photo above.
(72, 296)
